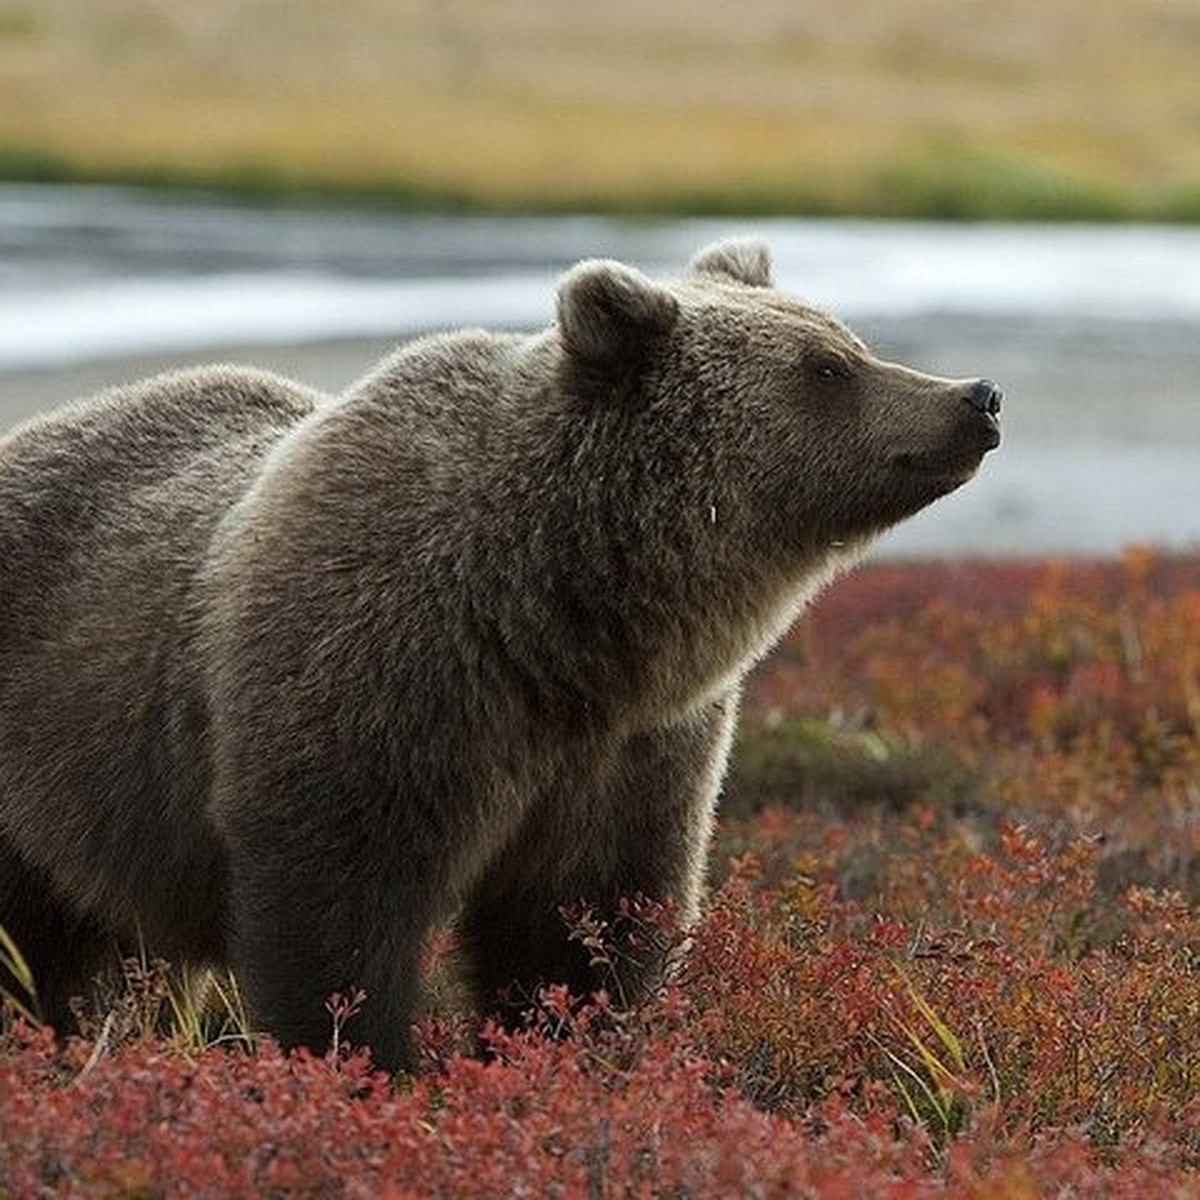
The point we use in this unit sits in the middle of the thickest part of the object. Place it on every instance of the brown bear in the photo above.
(288, 680)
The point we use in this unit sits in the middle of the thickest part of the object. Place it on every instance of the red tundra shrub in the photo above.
(976, 652)
(547, 1117)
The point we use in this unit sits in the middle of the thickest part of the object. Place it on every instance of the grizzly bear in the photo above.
(287, 681)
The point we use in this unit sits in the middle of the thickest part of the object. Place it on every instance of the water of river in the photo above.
(1094, 331)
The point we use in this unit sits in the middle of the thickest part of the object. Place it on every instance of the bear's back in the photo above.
(134, 466)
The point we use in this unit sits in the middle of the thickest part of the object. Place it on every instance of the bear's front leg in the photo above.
(341, 865)
(642, 830)
(311, 922)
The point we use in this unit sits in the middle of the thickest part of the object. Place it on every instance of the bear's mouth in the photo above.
(956, 463)
(957, 467)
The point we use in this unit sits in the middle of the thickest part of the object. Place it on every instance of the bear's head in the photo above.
(777, 416)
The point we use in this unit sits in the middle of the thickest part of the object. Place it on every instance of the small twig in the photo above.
(101, 1045)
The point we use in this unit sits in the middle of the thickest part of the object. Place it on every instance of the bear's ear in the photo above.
(607, 311)
(744, 260)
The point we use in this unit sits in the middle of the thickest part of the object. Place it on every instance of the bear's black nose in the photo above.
(986, 396)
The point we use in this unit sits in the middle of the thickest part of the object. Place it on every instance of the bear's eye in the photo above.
(830, 369)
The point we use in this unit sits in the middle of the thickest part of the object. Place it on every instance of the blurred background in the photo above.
(981, 189)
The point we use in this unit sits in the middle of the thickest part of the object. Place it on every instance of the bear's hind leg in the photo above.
(62, 948)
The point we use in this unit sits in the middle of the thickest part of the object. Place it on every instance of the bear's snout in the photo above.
(986, 397)
(957, 437)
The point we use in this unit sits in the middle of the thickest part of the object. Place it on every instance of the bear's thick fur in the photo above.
(287, 680)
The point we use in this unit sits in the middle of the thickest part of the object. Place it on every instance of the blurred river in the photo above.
(1093, 331)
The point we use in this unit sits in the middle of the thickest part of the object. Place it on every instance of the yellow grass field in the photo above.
(947, 107)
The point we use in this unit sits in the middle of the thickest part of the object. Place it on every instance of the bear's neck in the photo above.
(634, 588)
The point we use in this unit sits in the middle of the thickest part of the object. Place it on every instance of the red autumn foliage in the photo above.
(987, 987)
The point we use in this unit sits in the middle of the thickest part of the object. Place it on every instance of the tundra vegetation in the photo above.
(950, 950)
(1082, 108)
